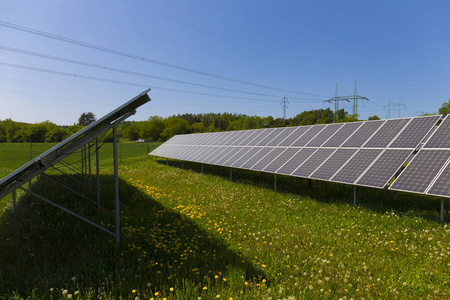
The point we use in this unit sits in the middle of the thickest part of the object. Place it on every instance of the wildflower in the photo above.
(69, 296)
(149, 284)
(76, 293)
(51, 289)
(218, 296)
(74, 278)
(171, 289)
(224, 279)
(64, 292)
(216, 277)
(205, 288)
(231, 298)
(156, 294)
(134, 291)
(246, 283)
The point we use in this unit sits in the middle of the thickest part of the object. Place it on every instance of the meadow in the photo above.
(187, 235)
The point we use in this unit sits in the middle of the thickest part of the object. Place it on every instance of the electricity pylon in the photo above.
(284, 105)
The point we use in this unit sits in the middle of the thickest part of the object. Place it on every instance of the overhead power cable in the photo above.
(145, 59)
(91, 65)
(124, 82)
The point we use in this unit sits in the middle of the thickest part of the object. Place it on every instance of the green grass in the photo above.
(186, 235)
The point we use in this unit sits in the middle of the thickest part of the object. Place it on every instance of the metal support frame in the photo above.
(202, 168)
(231, 174)
(275, 182)
(354, 195)
(442, 210)
(14, 208)
(97, 162)
(182, 164)
(116, 187)
(90, 177)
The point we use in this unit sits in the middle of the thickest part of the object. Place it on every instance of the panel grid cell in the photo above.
(324, 135)
(241, 160)
(266, 160)
(214, 157)
(415, 132)
(356, 166)
(255, 158)
(266, 137)
(363, 134)
(332, 165)
(421, 171)
(440, 138)
(343, 134)
(442, 185)
(308, 136)
(281, 160)
(238, 154)
(313, 162)
(386, 133)
(250, 137)
(295, 135)
(284, 133)
(379, 174)
(241, 136)
(299, 158)
(260, 134)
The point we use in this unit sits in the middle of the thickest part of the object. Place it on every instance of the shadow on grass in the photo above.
(379, 200)
(42, 247)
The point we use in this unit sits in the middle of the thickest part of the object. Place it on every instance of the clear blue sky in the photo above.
(395, 50)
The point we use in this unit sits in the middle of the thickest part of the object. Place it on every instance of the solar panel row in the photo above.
(362, 153)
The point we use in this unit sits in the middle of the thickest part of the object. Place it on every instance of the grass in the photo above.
(187, 235)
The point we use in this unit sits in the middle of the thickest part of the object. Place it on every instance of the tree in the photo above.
(445, 108)
(34, 133)
(174, 126)
(86, 118)
(152, 128)
(373, 118)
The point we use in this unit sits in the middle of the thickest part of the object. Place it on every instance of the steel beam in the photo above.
(116, 188)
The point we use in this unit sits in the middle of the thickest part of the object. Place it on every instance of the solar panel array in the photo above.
(429, 170)
(361, 153)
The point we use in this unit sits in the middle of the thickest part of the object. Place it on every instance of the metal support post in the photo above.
(274, 182)
(14, 201)
(90, 177)
(354, 195)
(156, 158)
(262, 175)
(82, 161)
(442, 210)
(167, 162)
(97, 162)
(85, 165)
(396, 195)
(116, 188)
(202, 168)
(231, 174)
(182, 164)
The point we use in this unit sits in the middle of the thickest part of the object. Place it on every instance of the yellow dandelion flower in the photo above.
(156, 294)
(224, 279)
(171, 289)
(217, 276)
(246, 283)
(134, 291)
(264, 281)
(218, 296)
(205, 288)
(231, 298)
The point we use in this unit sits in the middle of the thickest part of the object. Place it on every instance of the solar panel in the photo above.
(207, 157)
(415, 132)
(224, 156)
(421, 171)
(241, 136)
(309, 135)
(299, 158)
(386, 133)
(244, 157)
(205, 154)
(324, 135)
(332, 165)
(282, 134)
(294, 135)
(343, 134)
(238, 151)
(196, 154)
(313, 162)
(265, 137)
(273, 134)
(229, 138)
(441, 186)
(255, 158)
(266, 160)
(281, 160)
(214, 157)
(261, 134)
(250, 137)
(210, 138)
(355, 167)
(440, 139)
(384, 168)
(363, 133)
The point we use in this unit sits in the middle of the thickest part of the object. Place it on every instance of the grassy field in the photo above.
(187, 235)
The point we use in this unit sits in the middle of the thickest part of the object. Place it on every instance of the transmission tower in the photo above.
(284, 105)
(389, 105)
(337, 98)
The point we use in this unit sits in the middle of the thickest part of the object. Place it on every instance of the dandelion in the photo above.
(171, 289)
(218, 296)
(74, 278)
(69, 296)
(134, 291)
(205, 288)
(51, 289)
(156, 294)
(64, 292)
(76, 293)
(149, 284)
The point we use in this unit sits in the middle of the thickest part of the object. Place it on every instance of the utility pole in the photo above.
(336, 100)
(389, 105)
(284, 105)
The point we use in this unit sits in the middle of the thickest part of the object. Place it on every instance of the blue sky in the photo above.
(396, 51)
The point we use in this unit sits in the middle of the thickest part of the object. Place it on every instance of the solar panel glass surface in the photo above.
(255, 158)
(241, 160)
(238, 152)
(356, 165)
(299, 158)
(241, 136)
(386, 133)
(415, 132)
(421, 171)
(214, 157)
(363, 133)
(226, 155)
(313, 162)
(266, 137)
(308, 136)
(261, 134)
(324, 135)
(253, 134)
(281, 160)
(332, 165)
(343, 134)
(296, 133)
(384, 168)
(266, 160)
(440, 138)
(442, 185)
(283, 132)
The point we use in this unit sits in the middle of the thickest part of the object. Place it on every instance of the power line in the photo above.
(91, 65)
(142, 58)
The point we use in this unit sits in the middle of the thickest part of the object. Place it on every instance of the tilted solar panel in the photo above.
(294, 135)
(250, 137)
(281, 159)
(386, 133)
(243, 134)
(440, 138)
(441, 186)
(261, 134)
(324, 135)
(283, 132)
(214, 157)
(297, 160)
(332, 165)
(269, 135)
(308, 136)
(356, 166)
(421, 171)
(238, 151)
(255, 158)
(241, 160)
(415, 132)
(384, 168)
(313, 162)
(363, 134)
(266, 160)
(343, 134)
